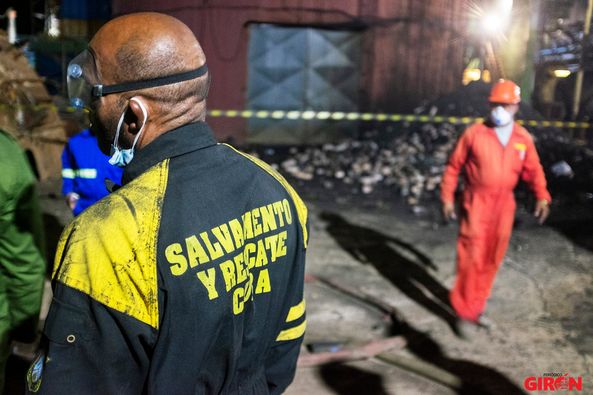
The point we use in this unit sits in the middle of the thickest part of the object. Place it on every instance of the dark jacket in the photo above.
(187, 280)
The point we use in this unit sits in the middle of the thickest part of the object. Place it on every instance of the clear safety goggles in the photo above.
(84, 87)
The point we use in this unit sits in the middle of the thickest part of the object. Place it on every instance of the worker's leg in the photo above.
(464, 299)
(485, 231)
(497, 243)
(471, 250)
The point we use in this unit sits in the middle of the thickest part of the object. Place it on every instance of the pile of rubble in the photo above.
(27, 111)
(409, 159)
(411, 162)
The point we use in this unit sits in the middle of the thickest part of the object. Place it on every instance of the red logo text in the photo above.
(553, 382)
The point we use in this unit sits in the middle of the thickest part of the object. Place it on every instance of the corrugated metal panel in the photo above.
(294, 68)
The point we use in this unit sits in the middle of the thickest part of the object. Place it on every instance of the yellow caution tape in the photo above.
(381, 117)
(310, 115)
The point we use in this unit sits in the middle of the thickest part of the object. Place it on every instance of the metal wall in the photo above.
(411, 50)
(305, 68)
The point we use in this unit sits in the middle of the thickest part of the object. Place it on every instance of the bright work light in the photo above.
(561, 73)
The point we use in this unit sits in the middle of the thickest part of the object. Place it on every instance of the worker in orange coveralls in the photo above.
(493, 155)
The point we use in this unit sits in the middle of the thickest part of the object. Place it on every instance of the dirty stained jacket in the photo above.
(488, 167)
(186, 280)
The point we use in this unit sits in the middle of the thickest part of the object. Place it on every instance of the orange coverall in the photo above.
(491, 172)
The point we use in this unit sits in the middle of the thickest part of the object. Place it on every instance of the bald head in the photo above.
(148, 45)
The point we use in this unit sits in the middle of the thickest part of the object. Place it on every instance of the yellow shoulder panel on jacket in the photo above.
(298, 202)
(109, 251)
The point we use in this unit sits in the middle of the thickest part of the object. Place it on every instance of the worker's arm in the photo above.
(451, 175)
(281, 362)
(96, 337)
(29, 218)
(89, 348)
(533, 174)
(22, 250)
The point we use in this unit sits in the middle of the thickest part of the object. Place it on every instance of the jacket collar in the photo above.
(491, 127)
(176, 142)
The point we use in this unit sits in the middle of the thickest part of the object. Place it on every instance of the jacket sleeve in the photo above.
(67, 170)
(281, 363)
(22, 253)
(93, 343)
(533, 173)
(30, 218)
(89, 348)
(454, 166)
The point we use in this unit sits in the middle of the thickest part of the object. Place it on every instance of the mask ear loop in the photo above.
(145, 114)
(116, 138)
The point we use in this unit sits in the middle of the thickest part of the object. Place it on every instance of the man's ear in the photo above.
(136, 115)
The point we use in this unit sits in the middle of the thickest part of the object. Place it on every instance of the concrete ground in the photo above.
(541, 303)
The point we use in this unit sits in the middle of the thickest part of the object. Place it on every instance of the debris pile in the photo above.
(27, 111)
(409, 159)
(411, 163)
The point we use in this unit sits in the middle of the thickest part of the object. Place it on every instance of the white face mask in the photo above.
(122, 157)
(500, 117)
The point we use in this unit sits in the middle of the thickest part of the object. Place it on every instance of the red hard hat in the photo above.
(506, 92)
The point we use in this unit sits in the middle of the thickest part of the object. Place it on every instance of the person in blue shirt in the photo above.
(84, 170)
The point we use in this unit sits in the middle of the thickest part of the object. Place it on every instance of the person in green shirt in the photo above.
(22, 264)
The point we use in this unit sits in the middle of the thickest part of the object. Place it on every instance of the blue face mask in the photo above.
(122, 157)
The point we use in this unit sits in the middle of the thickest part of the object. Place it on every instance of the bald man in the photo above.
(187, 279)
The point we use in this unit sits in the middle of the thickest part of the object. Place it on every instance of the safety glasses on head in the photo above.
(84, 87)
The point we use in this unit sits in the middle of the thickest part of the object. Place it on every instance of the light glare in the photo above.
(471, 74)
(491, 24)
(561, 73)
(506, 6)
